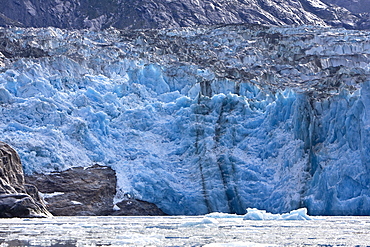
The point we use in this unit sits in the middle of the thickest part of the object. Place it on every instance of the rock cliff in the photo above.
(17, 199)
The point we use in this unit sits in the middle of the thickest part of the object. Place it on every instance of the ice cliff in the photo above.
(197, 120)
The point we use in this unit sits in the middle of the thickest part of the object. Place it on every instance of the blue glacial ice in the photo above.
(198, 120)
(255, 214)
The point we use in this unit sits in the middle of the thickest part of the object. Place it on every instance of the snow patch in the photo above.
(49, 195)
(76, 203)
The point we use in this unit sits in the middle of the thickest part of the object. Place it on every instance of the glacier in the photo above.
(197, 120)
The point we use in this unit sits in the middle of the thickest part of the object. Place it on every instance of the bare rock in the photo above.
(135, 207)
(78, 191)
(86, 191)
(82, 14)
(16, 198)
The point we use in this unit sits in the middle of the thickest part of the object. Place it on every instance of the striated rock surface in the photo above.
(87, 191)
(356, 6)
(187, 13)
(16, 198)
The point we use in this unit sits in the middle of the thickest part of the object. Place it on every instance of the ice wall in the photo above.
(197, 120)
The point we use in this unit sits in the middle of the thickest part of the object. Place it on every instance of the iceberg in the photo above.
(255, 214)
(197, 120)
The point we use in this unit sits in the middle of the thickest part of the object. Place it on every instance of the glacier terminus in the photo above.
(197, 119)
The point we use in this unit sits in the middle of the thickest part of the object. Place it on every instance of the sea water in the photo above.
(184, 231)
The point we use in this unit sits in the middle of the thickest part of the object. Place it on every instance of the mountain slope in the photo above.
(166, 13)
(355, 6)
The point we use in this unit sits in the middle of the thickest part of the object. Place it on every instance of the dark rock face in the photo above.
(86, 191)
(356, 6)
(359, 8)
(16, 198)
(163, 13)
(134, 207)
(77, 191)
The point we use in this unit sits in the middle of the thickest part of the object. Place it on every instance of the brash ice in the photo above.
(197, 120)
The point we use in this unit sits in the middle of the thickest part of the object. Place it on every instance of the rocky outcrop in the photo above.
(77, 191)
(135, 207)
(16, 198)
(87, 191)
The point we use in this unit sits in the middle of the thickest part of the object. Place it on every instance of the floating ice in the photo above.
(167, 231)
(239, 244)
(201, 223)
(223, 215)
(255, 214)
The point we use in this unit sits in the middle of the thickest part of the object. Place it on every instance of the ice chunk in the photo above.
(217, 215)
(299, 214)
(116, 208)
(204, 222)
(255, 214)
(5, 96)
(151, 76)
